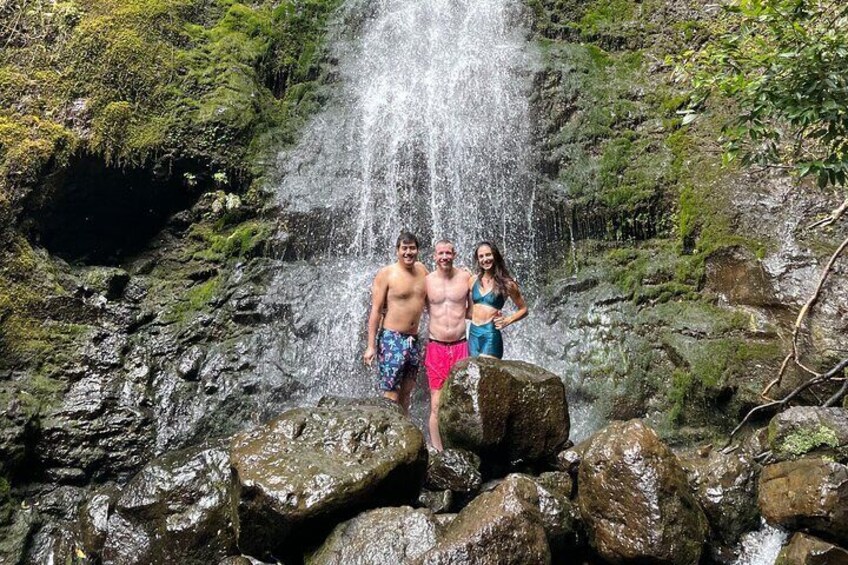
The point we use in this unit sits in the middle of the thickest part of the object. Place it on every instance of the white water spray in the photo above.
(429, 131)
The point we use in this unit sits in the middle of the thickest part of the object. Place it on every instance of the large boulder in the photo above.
(635, 501)
(385, 536)
(725, 486)
(809, 493)
(312, 468)
(500, 527)
(804, 549)
(177, 509)
(505, 411)
(807, 430)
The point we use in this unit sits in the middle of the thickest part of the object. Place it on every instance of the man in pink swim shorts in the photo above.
(447, 301)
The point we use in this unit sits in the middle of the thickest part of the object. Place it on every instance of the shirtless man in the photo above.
(447, 299)
(397, 297)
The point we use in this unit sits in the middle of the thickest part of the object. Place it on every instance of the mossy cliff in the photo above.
(134, 136)
(681, 276)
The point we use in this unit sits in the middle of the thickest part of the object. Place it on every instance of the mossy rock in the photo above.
(809, 430)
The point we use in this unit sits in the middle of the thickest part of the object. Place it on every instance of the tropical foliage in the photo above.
(786, 64)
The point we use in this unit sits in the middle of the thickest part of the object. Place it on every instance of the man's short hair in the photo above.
(446, 241)
(406, 237)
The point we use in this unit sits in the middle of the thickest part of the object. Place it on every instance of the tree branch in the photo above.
(834, 216)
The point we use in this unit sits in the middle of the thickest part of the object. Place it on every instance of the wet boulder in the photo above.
(804, 549)
(635, 501)
(312, 468)
(809, 430)
(500, 527)
(505, 411)
(725, 486)
(437, 501)
(177, 509)
(809, 493)
(550, 494)
(385, 536)
(456, 470)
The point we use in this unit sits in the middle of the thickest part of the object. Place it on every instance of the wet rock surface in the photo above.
(311, 468)
(94, 518)
(635, 501)
(725, 486)
(560, 515)
(385, 536)
(455, 470)
(438, 502)
(58, 539)
(808, 493)
(503, 526)
(505, 411)
(813, 430)
(179, 508)
(804, 549)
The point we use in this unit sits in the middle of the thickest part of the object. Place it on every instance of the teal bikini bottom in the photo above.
(485, 340)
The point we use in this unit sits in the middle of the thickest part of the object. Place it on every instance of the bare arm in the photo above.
(521, 305)
(379, 290)
(468, 303)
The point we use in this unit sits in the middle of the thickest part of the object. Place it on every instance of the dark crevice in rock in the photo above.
(103, 214)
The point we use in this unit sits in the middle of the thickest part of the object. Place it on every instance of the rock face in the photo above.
(800, 430)
(385, 536)
(550, 494)
(94, 518)
(178, 509)
(505, 411)
(456, 470)
(808, 550)
(725, 486)
(810, 493)
(500, 527)
(635, 501)
(311, 468)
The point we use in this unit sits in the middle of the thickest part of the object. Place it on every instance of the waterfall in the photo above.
(428, 130)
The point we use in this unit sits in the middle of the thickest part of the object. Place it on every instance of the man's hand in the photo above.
(368, 356)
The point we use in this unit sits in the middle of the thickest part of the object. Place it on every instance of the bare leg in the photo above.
(407, 385)
(435, 436)
(391, 395)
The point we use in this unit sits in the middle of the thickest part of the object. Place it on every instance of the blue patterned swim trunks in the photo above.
(398, 358)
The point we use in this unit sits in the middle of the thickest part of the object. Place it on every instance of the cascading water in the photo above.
(429, 130)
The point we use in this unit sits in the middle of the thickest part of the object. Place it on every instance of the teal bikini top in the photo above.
(491, 298)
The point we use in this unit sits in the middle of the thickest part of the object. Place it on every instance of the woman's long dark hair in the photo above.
(500, 273)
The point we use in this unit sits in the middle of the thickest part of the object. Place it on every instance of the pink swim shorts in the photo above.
(439, 359)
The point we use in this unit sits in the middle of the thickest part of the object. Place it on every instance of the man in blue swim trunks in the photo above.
(397, 296)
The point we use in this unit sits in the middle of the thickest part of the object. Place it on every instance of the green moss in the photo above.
(805, 440)
(196, 299)
(708, 368)
(156, 81)
(6, 504)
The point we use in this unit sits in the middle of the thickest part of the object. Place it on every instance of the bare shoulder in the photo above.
(383, 274)
(466, 274)
(471, 280)
(421, 269)
(512, 286)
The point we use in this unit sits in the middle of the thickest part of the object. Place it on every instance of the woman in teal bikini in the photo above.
(489, 290)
